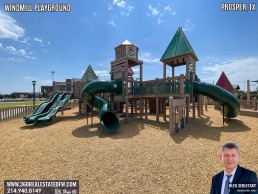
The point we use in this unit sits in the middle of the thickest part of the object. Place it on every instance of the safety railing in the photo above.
(15, 112)
(175, 85)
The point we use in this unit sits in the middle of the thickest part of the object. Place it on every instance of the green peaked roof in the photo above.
(179, 45)
(89, 74)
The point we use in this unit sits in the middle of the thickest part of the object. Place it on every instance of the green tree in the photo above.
(30, 95)
(7, 96)
(12, 95)
(45, 95)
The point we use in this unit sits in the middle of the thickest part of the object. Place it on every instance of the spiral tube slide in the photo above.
(218, 94)
(108, 118)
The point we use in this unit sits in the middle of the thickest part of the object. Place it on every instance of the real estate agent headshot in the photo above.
(234, 179)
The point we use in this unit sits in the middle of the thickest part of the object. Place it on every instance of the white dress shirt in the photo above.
(225, 179)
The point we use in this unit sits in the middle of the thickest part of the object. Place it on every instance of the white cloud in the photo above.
(102, 65)
(237, 70)
(94, 14)
(30, 57)
(136, 76)
(22, 52)
(38, 40)
(159, 21)
(110, 7)
(49, 43)
(112, 23)
(167, 8)
(30, 78)
(9, 27)
(102, 73)
(164, 16)
(121, 4)
(1, 45)
(25, 40)
(135, 69)
(11, 49)
(130, 8)
(124, 8)
(188, 26)
(12, 59)
(146, 57)
(154, 11)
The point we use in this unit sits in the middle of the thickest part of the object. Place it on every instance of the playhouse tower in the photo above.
(178, 53)
(126, 57)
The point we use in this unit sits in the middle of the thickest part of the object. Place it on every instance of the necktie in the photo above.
(226, 189)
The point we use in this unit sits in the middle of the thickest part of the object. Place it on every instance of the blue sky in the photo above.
(32, 44)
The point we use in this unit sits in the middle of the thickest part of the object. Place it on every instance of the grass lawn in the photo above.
(17, 104)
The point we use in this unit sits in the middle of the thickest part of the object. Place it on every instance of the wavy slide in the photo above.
(223, 97)
(108, 118)
(43, 107)
(47, 110)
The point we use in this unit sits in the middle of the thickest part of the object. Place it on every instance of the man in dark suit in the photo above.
(234, 179)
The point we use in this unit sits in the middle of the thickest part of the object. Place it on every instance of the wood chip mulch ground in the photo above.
(139, 158)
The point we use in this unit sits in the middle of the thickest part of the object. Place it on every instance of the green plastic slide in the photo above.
(218, 94)
(47, 110)
(43, 107)
(108, 118)
(46, 117)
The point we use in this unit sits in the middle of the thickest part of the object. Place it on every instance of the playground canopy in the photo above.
(224, 83)
(178, 46)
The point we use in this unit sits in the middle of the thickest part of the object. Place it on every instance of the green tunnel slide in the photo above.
(218, 94)
(108, 118)
(47, 110)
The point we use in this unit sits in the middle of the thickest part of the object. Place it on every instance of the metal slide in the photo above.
(47, 110)
(108, 118)
(223, 97)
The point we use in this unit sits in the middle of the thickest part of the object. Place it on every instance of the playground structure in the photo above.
(182, 89)
(125, 92)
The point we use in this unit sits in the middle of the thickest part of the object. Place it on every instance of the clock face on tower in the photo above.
(131, 52)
